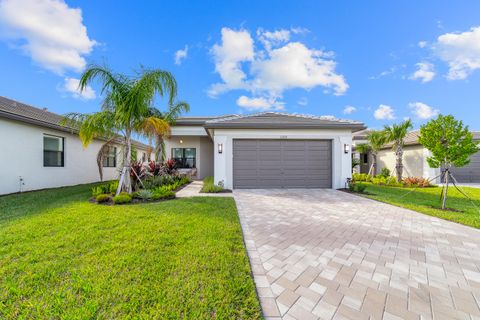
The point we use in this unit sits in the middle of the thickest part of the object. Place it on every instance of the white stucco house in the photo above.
(265, 150)
(415, 160)
(37, 152)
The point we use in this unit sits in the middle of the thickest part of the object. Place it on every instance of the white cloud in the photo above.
(349, 110)
(273, 38)
(180, 55)
(49, 31)
(423, 111)
(384, 112)
(70, 85)
(302, 101)
(258, 104)
(422, 44)
(281, 65)
(424, 72)
(236, 47)
(461, 51)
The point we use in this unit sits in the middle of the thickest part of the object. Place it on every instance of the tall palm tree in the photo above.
(396, 134)
(376, 140)
(170, 116)
(125, 109)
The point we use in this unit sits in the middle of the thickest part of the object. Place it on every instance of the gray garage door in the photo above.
(469, 173)
(282, 164)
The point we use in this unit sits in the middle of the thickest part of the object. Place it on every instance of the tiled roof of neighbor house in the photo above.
(361, 135)
(276, 120)
(412, 138)
(22, 112)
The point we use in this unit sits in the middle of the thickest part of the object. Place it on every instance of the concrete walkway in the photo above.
(326, 254)
(193, 190)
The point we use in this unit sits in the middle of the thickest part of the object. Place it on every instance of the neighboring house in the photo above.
(360, 137)
(38, 152)
(415, 161)
(265, 150)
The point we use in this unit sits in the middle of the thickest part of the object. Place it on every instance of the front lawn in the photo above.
(63, 257)
(427, 200)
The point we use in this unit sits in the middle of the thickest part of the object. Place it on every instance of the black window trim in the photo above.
(62, 165)
(183, 158)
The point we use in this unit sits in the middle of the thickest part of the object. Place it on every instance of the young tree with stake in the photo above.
(451, 144)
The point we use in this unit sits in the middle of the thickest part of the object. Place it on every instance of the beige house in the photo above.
(39, 153)
(414, 160)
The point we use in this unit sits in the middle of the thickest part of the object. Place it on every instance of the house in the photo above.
(38, 152)
(415, 160)
(265, 150)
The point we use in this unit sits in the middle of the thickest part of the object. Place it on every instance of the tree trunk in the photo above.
(125, 183)
(399, 163)
(374, 163)
(444, 202)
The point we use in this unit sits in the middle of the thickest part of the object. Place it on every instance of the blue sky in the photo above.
(378, 64)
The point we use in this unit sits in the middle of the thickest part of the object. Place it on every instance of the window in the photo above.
(184, 157)
(110, 160)
(365, 158)
(53, 155)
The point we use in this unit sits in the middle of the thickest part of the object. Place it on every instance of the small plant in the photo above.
(416, 182)
(144, 194)
(351, 186)
(155, 168)
(122, 198)
(102, 198)
(163, 194)
(98, 190)
(170, 167)
(210, 187)
(361, 177)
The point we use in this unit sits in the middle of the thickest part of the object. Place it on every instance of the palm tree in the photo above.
(376, 140)
(362, 148)
(396, 134)
(170, 116)
(125, 109)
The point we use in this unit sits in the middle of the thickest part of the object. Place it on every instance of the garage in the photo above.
(276, 163)
(470, 173)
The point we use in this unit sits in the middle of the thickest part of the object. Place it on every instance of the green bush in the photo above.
(105, 188)
(210, 187)
(361, 177)
(101, 198)
(122, 198)
(360, 187)
(163, 194)
(144, 194)
(113, 186)
(385, 172)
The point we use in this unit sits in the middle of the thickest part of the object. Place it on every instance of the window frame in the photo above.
(181, 164)
(106, 163)
(62, 164)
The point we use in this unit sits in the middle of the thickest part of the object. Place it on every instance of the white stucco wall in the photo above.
(413, 161)
(21, 147)
(341, 162)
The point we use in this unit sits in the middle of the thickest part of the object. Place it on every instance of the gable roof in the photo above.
(412, 138)
(15, 110)
(198, 120)
(276, 120)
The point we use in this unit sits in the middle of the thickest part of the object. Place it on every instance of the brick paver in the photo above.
(326, 254)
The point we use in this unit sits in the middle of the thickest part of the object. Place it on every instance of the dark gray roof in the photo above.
(411, 138)
(361, 135)
(276, 120)
(22, 112)
(197, 121)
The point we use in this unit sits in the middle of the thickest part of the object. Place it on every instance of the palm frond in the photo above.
(152, 127)
(376, 139)
(175, 110)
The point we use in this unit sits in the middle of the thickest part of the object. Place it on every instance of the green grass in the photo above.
(63, 257)
(427, 201)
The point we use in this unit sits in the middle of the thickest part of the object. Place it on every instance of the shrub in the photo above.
(105, 188)
(113, 186)
(361, 177)
(360, 187)
(98, 190)
(162, 194)
(144, 194)
(379, 180)
(101, 198)
(122, 198)
(351, 186)
(209, 186)
(385, 172)
(416, 182)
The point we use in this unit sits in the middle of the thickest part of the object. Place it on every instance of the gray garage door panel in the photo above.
(469, 173)
(282, 164)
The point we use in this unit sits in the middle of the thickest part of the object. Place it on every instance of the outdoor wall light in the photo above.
(346, 148)
(220, 148)
(181, 141)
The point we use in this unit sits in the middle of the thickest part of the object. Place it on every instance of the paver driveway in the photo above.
(328, 254)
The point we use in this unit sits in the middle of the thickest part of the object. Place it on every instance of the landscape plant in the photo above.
(450, 143)
(126, 110)
(396, 134)
(209, 186)
(376, 140)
